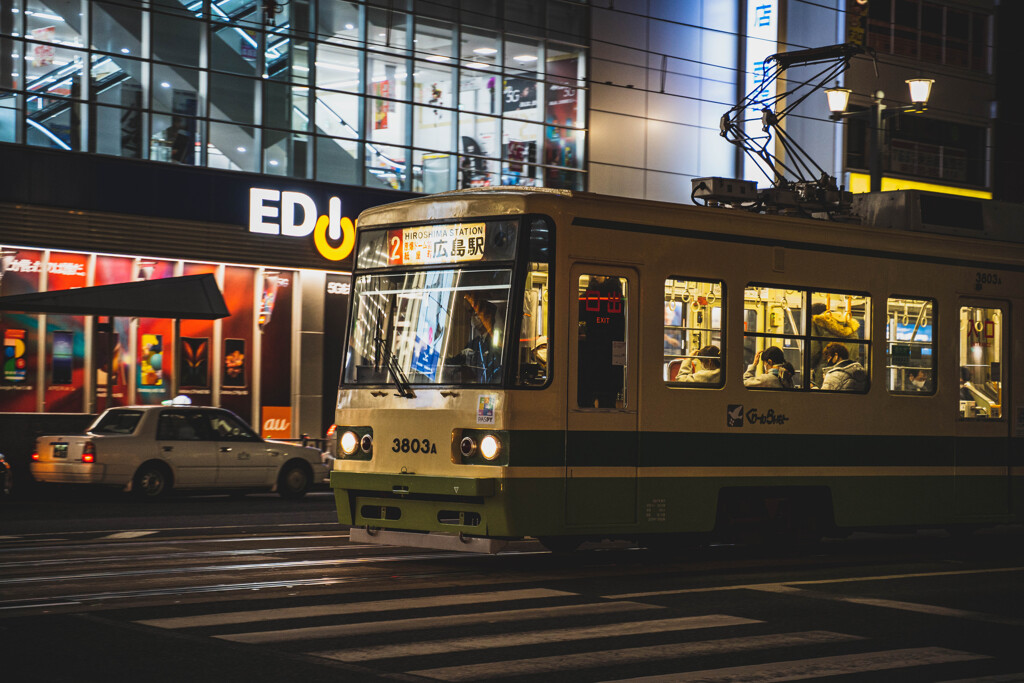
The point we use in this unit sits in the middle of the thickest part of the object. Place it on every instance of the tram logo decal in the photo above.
(734, 416)
(272, 212)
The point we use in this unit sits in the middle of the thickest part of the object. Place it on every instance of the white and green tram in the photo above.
(568, 366)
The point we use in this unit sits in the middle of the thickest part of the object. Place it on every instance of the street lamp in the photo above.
(838, 98)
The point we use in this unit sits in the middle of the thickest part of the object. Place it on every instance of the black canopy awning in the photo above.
(192, 297)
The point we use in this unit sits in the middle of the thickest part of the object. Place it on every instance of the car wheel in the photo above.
(152, 481)
(294, 480)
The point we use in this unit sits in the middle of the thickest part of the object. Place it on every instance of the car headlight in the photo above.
(490, 447)
(349, 443)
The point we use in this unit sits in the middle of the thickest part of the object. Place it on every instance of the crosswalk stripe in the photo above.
(486, 642)
(594, 660)
(373, 607)
(935, 610)
(998, 678)
(126, 535)
(396, 625)
(839, 665)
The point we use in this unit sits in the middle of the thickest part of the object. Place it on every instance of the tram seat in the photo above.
(673, 368)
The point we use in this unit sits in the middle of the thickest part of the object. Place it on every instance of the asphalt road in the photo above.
(214, 588)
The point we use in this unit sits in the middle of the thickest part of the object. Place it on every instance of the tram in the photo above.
(567, 366)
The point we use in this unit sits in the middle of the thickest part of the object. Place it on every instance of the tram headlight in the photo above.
(467, 446)
(490, 447)
(349, 442)
(366, 443)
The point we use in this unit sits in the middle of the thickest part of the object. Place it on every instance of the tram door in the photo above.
(982, 466)
(601, 439)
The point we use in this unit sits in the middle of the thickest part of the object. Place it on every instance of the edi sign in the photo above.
(294, 214)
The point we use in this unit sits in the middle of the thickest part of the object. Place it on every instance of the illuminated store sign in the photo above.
(294, 214)
(761, 42)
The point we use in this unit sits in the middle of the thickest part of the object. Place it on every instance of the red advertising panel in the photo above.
(18, 380)
(195, 350)
(236, 344)
(154, 350)
(111, 341)
(65, 338)
(275, 323)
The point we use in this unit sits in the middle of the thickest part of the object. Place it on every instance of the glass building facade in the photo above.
(416, 95)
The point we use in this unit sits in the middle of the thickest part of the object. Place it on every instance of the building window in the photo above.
(362, 94)
(931, 32)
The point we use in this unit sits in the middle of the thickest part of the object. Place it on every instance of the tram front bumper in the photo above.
(419, 503)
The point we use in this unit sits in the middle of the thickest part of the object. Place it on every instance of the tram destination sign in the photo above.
(441, 244)
(437, 244)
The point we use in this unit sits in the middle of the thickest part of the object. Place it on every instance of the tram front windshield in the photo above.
(435, 308)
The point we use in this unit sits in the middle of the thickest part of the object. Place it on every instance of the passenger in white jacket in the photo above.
(841, 373)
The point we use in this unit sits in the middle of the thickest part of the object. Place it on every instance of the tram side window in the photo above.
(981, 367)
(693, 350)
(910, 344)
(601, 364)
(840, 341)
(533, 329)
(773, 344)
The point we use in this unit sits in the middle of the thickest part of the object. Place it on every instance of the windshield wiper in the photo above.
(390, 363)
(395, 370)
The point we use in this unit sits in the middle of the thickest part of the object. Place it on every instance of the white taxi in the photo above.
(148, 450)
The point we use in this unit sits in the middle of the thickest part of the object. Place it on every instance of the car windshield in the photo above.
(116, 422)
(429, 326)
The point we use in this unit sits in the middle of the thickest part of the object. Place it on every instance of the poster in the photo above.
(381, 107)
(234, 363)
(42, 55)
(151, 358)
(519, 94)
(561, 115)
(194, 372)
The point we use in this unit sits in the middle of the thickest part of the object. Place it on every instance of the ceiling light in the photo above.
(437, 58)
(525, 58)
(485, 51)
(240, 149)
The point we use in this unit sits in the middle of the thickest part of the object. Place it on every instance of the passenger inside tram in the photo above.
(919, 379)
(841, 372)
(479, 359)
(776, 373)
(704, 368)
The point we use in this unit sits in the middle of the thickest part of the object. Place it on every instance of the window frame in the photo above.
(806, 336)
(933, 344)
(722, 299)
